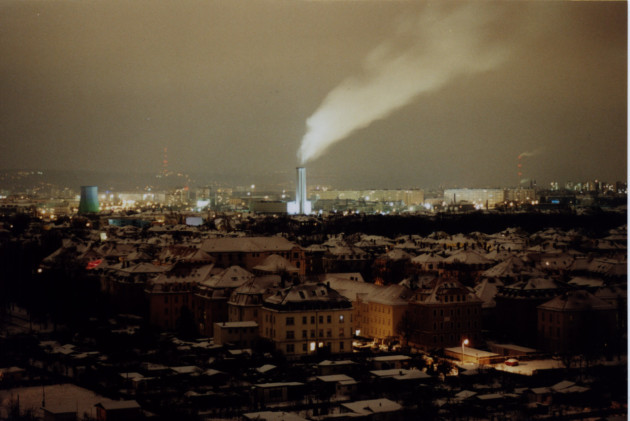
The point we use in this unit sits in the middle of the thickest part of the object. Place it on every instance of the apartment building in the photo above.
(306, 319)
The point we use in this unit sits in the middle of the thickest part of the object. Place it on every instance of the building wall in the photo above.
(209, 311)
(243, 313)
(445, 324)
(234, 333)
(248, 260)
(516, 317)
(476, 196)
(409, 197)
(575, 331)
(303, 332)
(165, 308)
(520, 195)
(380, 321)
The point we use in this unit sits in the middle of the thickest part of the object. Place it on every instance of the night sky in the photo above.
(419, 94)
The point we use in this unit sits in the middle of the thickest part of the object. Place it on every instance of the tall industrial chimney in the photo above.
(89, 200)
(300, 194)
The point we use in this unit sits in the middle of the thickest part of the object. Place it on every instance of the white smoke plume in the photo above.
(532, 153)
(444, 42)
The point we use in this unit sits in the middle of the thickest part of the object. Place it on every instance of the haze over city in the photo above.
(367, 94)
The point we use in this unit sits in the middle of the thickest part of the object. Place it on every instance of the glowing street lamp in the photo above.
(464, 343)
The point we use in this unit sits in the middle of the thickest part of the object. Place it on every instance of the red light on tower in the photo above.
(165, 163)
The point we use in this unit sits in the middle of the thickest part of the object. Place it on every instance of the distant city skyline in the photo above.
(228, 88)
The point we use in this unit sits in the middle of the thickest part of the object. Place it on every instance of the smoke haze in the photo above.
(427, 52)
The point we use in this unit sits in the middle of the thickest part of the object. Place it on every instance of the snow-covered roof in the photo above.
(390, 358)
(118, 405)
(512, 266)
(373, 406)
(427, 258)
(532, 284)
(265, 368)
(247, 244)
(273, 416)
(395, 255)
(232, 277)
(371, 293)
(486, 290)
(336, 378)
(576, 301)
(308, 295)
(581, 281)
(464, 394)
(275, 264)
(467, 257)
(441, 289)
(329, 363)
(180, 275)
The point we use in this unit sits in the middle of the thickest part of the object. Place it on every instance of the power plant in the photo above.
(300, 206)
(89, 200)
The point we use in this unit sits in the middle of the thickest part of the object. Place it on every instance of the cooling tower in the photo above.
(300, 194)
(89, 200)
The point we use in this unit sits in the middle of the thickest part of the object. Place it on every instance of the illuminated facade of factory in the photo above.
(488, 198)
(409, 197)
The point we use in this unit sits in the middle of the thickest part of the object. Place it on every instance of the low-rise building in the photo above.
(239, 334)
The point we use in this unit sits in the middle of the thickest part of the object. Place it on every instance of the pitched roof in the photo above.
(576, 301)
(275, 264)
(247, 244)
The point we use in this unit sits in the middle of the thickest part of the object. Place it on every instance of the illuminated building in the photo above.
(407, 196)
(377, 309)
(480, 198)
(89, 200)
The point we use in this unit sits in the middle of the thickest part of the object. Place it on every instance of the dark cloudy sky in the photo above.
(228, 86)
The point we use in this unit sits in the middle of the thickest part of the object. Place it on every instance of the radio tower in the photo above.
(520, 170)
(165, 164)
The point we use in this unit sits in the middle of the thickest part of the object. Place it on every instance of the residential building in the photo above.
(306, 319)
(247, 300)
(249, 252)
(443, 313)
(576, 322)
(170, 294)
(516, 304)
(378, 309)
(210, 300)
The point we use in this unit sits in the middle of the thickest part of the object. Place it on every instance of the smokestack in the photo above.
(89, 200)
(300, 194)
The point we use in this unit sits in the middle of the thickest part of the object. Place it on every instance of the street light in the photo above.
(464, 343)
